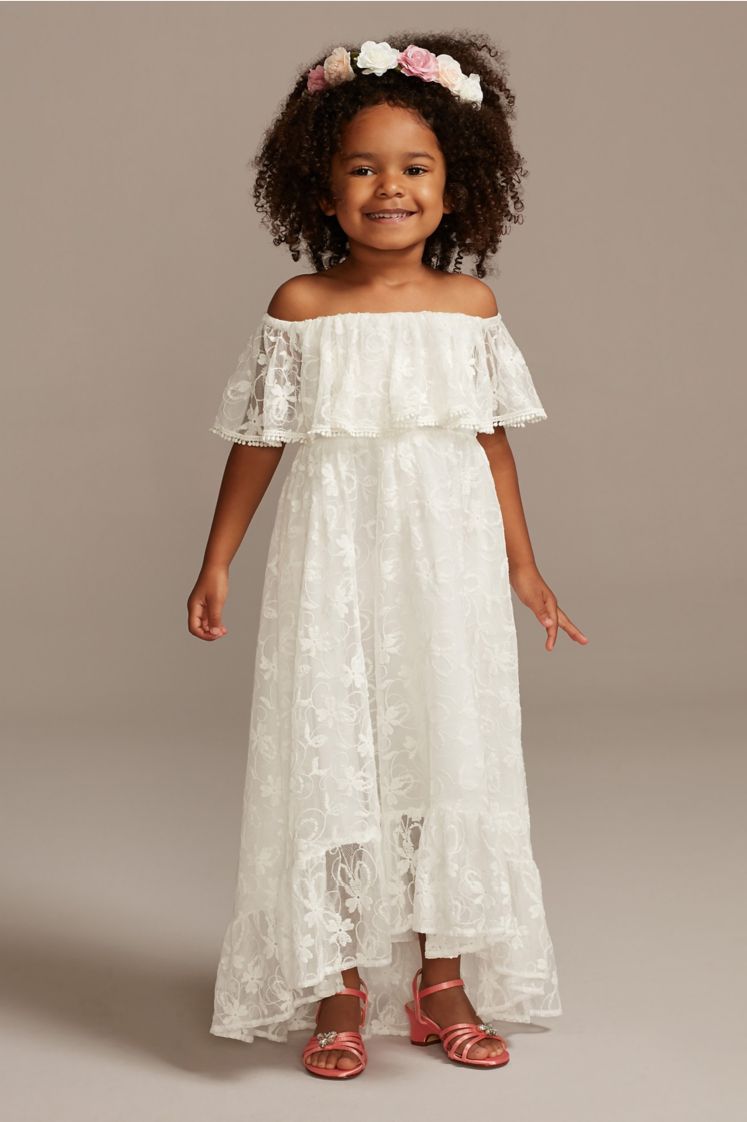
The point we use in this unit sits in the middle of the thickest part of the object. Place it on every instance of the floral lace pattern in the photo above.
(385, 788)
(370, 373)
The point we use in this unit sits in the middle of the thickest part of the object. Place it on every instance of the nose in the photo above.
(390, 183)
(392, 189)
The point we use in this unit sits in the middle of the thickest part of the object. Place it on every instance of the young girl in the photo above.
(385, 848)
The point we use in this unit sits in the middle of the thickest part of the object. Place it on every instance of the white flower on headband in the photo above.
(470, 89)
(375, 58)
(450, 72)
(413, 62)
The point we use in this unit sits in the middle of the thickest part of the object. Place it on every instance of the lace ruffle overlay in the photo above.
(369, 373)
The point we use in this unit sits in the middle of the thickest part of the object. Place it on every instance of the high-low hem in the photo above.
(491, 1015)
(526, 994)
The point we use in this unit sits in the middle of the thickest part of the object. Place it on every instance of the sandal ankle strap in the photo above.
(353, 992)
(362, 994)
(441, 986)
(418, 993)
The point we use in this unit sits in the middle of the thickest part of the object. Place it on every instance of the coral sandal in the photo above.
(344, 1041)
(425, 1031)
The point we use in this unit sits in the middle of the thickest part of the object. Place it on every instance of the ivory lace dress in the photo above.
(385, 788)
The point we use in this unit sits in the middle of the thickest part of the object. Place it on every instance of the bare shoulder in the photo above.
(296, 298)
(473, 296)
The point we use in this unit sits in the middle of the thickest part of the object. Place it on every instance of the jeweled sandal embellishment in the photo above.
(326, 1038)
(491, 1030)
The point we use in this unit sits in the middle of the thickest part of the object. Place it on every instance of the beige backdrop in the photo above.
(134, 269)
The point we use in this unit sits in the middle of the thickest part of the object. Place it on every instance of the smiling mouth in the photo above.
(392, 216)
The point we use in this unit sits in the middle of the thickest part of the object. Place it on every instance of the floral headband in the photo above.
(414, 62)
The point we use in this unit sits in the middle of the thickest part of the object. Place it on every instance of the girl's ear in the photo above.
(327, 205)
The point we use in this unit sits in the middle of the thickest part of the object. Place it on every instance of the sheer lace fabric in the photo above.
(368, 373)
(385, 788)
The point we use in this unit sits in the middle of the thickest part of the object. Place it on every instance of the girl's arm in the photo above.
(524, 575)
(248, 471)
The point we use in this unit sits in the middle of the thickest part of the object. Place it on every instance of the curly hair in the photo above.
(483, 167)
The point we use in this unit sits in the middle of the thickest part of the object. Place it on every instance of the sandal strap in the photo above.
(362, 994)
(343, 1042)
(349, 1037)
(353, 992)
(441, 986)
(465, 1034)
(417, 993)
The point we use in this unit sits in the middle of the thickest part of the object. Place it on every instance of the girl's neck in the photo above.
(384, 271)
(383, 278)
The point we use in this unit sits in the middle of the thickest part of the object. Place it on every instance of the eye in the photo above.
(362, 167)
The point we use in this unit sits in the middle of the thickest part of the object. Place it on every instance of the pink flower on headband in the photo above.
(315, 80)
(417, 62)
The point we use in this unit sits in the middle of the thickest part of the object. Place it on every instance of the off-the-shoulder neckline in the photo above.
(344, 315)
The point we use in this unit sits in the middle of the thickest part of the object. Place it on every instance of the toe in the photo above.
(347, 1061)
(483, 1049)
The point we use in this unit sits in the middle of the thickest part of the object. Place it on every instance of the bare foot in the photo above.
(342, 1013)
(448, 1007)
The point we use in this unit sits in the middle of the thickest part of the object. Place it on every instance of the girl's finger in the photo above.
(214, 623)
(549, 619)
(196, 621)
(570, 628)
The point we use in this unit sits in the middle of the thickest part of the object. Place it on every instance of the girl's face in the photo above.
(389, 159)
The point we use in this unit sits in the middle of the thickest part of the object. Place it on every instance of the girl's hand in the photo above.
(532, 591)
(205, 604)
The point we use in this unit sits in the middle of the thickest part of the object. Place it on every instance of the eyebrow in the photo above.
(372, 155)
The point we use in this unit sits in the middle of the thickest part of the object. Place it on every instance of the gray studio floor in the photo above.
(122, 882)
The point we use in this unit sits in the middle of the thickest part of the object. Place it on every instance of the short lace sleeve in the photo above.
(513, 397)
(260, 399)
